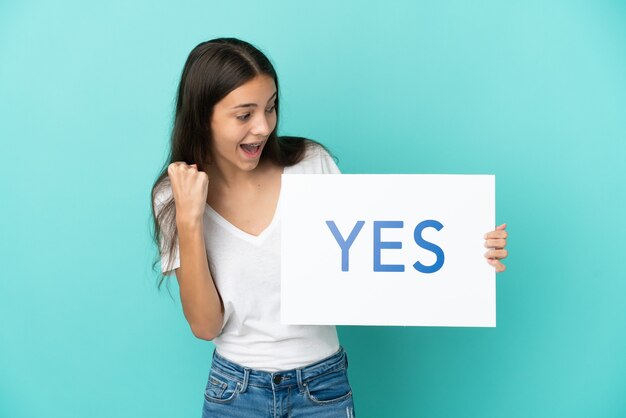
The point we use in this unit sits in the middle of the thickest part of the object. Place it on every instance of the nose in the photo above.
(263, 125)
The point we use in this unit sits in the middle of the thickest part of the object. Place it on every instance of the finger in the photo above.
(501, 227)
(496, 254)
(176, 166)
(497, 264)
(495, 243)
(496, 234)
(171, 168)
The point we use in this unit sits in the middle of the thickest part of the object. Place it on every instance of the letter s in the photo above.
(417, 234)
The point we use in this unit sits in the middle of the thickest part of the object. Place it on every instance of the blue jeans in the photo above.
(319, 390)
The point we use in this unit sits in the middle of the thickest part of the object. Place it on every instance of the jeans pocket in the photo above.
(221, 388)
(329, 388)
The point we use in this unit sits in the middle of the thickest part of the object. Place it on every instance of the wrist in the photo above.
(187, 223)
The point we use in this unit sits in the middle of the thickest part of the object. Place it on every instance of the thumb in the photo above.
(501, 227)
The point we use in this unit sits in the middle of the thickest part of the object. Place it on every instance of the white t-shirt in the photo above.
(246, 272)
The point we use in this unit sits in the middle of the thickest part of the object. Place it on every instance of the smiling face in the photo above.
(242, 122)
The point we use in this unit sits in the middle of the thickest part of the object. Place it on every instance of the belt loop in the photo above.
(299, 379)
(246, 377)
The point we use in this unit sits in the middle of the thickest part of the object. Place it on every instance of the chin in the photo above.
(249, 165)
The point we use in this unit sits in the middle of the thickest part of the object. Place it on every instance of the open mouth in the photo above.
(252, 150)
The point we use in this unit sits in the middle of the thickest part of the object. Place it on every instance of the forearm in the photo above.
(198, 294)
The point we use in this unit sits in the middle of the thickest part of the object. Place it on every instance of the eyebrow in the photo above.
(252, 104)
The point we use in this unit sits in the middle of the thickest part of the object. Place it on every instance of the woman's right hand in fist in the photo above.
(189, 187)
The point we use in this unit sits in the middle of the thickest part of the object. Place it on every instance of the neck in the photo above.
(230, 177)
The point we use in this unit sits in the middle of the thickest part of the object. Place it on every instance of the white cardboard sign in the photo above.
(387, 249)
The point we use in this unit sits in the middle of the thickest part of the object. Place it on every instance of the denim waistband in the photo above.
(281, 379)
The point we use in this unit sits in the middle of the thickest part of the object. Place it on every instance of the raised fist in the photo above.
(189, 187)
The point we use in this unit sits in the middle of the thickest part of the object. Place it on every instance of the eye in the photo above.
(243, 117)
(271, 109)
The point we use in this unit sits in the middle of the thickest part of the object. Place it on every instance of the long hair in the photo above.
(213, 69)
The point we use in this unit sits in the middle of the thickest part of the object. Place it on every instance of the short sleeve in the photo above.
(328, 163)
(168, 265)
(316, 160)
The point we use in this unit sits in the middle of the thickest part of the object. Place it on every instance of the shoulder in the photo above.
(316, 160)
(162, 193)
(313, 150)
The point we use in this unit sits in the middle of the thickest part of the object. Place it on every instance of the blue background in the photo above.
(531, 91)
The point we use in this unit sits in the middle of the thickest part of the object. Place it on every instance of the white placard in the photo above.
(415, 257)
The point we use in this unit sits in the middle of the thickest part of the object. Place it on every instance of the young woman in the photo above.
(217, 222)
